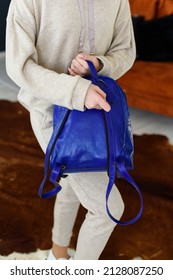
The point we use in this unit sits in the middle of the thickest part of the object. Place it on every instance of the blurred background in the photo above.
(3, 12)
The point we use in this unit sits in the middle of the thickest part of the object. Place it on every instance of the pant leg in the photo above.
(90, 190)
(97, 227)
(65, 212)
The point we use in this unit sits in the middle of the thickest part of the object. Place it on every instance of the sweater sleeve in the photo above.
(23, 68)
(122, 52)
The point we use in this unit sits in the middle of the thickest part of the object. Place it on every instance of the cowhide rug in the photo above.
(26, 220)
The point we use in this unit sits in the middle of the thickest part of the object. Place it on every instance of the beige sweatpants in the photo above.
(89, 189)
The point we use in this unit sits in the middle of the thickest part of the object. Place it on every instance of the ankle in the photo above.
(60, 252)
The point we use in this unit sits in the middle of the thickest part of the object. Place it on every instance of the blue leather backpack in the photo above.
(92, 141)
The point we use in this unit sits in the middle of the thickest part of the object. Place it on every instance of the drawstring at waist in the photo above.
(91, 30)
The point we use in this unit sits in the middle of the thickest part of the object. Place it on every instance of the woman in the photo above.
(47, 45)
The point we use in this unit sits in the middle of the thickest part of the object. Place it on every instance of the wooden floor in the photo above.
(142, 121)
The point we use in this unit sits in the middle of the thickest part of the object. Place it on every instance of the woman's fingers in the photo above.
(103, 104)
(96, 98)
(79, 66)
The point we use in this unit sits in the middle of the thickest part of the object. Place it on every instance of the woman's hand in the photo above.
(80, 67)
(96, 99)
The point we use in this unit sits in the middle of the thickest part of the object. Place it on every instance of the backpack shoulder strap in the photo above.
(55, 172)
(117, 163)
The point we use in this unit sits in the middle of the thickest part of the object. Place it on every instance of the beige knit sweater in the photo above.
(42, 38)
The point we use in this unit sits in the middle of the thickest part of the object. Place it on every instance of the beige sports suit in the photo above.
(42, 38)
